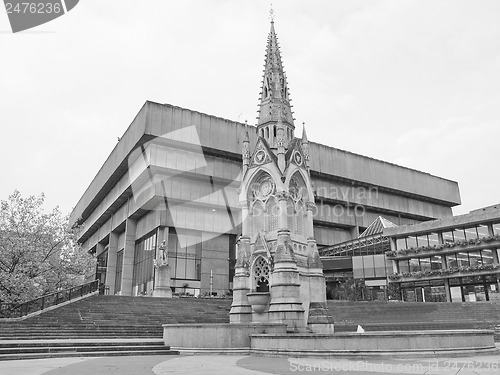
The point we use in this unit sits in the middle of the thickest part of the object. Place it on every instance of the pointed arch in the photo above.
(255, 184)
(260, 275)
(300, 177)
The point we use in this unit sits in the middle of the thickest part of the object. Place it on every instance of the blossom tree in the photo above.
(38, 250)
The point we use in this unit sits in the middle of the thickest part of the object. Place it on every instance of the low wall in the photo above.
(216, 336)
(377, 343)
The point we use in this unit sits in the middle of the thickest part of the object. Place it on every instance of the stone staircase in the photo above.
(105, 325)
(37, 349)
(110, 317)
(383, 316)
(115, 325)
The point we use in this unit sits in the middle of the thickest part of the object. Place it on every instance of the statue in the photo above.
(163, 254)
(162, 275)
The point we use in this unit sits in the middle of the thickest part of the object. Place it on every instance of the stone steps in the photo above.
(31, 349)
(407, 312)
(115, 317)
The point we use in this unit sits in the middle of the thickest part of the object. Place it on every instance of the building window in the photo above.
(369, 266)
(272, 213)
(496, 229)
(144, 255)
(482, 231)
(458, 235)
(475, 258)
(471, 233)
(299, 219)
(433, 239)
(422, 241)
(487, 256)
(102, 266)
(119, 270)
(436, 262)
(463, 260)
(448, 237)
(258, 216)
(357, 267)
(400, 243)
(414, 265)
(379, 265)
(411, 242)
(184, 252)
(404, 266)
(451, 261)
(425, 264)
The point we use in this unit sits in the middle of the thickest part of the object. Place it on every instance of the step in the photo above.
(10, 357)
(82, 342)
(80, 349)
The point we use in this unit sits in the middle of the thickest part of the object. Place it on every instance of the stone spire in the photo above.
(305, 145)
(245, 149)
(274, 101)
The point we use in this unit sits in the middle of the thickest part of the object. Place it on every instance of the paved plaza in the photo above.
(247, 365)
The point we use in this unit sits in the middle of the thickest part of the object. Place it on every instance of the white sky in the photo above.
(416, 83)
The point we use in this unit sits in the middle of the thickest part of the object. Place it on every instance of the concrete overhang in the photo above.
(461, 221)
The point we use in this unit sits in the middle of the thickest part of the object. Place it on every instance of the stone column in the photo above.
(241, 311)
(162, 267)
(319, 319)
(128, 257)
(311, 209)
(283, 231)
(286, 304)
(111, 273)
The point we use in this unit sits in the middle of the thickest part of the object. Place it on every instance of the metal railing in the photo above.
(48, 300)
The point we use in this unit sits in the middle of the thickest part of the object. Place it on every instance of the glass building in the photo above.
(448, 260)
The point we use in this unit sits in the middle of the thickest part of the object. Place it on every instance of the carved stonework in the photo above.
(282, 195)
(310, 206)
(260, 155)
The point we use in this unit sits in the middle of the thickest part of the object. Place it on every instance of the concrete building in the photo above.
(455, 259)
(174, 177)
